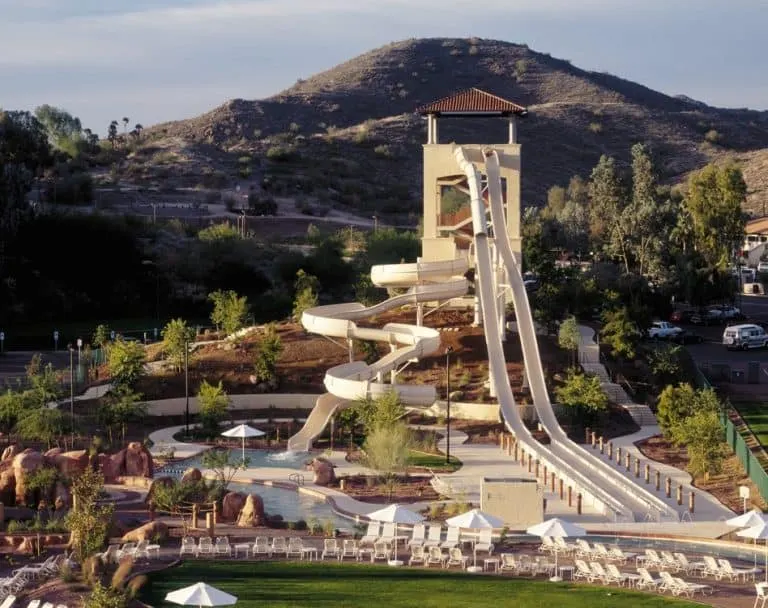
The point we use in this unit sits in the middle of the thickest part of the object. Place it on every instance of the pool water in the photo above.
(256, 459)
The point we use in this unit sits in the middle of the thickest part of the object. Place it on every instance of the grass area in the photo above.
(755, 414)
(324, 584)
(436, 462)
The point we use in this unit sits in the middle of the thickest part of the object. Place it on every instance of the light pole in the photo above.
(72, 391)
(375, 223)
(186, 383)
(448, 352)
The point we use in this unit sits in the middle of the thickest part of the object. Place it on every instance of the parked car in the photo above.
(744, 336)
(682, 316)
(728, 312)
(662, 330)
(710, 316)
(762, 267)
(687, 337)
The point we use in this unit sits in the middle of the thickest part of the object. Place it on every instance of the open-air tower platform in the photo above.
(448, 222)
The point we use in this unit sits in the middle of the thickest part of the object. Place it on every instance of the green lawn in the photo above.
(432, 461)
(331, 585)
(755, 414)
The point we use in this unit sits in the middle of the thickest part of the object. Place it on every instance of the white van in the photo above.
(745, 336)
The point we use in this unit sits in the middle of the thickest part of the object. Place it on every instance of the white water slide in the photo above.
(426, 282)
(608, 489)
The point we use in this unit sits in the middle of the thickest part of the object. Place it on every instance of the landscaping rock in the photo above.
(252, 514)
(152, 531)
(24, 464)
(159, 481)
(69, 463)
(28, 546)
(132, 461)
(10, 452)
(231, 505)
(191, 475)
(323, 470)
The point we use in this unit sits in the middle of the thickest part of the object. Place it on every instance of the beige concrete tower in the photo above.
(447, 221)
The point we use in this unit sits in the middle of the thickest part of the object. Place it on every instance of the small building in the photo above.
(755, 235)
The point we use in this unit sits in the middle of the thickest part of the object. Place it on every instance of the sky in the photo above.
(158, 60)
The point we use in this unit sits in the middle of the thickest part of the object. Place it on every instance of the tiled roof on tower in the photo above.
(472, 102)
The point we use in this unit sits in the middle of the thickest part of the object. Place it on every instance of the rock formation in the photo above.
(231, 505)
(323, 470)
(158, 481)
(132, 461)
(252, 514)
(152, 531)
(191, 475)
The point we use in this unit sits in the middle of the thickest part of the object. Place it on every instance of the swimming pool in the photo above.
(256, 459)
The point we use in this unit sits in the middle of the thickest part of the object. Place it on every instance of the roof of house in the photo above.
(471, 102)
(757, 226)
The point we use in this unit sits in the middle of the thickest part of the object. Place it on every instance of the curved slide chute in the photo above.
(601, 474)
(593, 494)
(426, 282)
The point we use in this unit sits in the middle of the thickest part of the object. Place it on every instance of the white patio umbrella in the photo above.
(243, 431)
(475, 520)
(200, 594)
(751, 518)
(760, 531)
(556, 528)
(397, 515)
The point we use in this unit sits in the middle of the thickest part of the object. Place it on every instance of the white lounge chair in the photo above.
(687, 566)
(620, 556)
(761, 594)
(295, 547)
(381, 550)
(451, 538)
(205, 546)
(372, 534)
(188, 546)
(600, 551)
(583, 549)
(484, 542)
(734, 573)
(48, 605)
(433, 536)
(418, 555)
(508, 562)
(621, 577)
(330, 548)
(669, 561)
(387, 533)
(564, 547)
(456, 558)
(690, 589)
(599, 573)
(34, 604)
(417, 536)
(583, 571)
(8, 602)
(646, 580)
(261, 546)
(279, 546)
(348, 549)
(435, 556)
(547, 545)
(222, 546)
(712, 568)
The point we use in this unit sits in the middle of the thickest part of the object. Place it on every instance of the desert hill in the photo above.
(337, 137)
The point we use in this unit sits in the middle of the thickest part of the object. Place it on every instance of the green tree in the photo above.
(704, 438)
(105, 596)
(122, 405)
(43, 382)
(383, 411)
(229, 310)
(219, 232)
(41, 424)
(606, 202)
(556, 200)
(213, 402)
(665, 362)
(88, 521)
(65, 132)
(677, 404)
(583, 393)
(223, 465)
(176, 338)
(714, 203)
(620, 332)
(267, 355)
(569, 337)
(101, 335)
(125, 362)
(387, 449)
(347, 420)
(307, 288)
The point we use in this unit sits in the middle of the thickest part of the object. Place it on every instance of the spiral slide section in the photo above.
(599, 473)
(426, 282)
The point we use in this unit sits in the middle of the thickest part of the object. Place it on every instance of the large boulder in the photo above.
(10, 452)
(154, 531)
(252, 514)
(138, 460)
(69, 464)
(61, 496)
(191, 475)
(7, 483)
(25, 464)
(231, 505)
(323, 470)
(132, 461)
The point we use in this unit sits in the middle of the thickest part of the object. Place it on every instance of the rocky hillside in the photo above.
(337, 137)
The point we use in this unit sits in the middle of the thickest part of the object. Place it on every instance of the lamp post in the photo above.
(448, 352)
(72, 391)
(186, 383)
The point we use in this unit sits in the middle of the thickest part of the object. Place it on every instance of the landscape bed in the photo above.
(318, 584)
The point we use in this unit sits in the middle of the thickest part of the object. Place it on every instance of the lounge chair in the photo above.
(417, 536)
(48, 605)
(35, 570)
(734, 573)
(621, 577)
(690, 589)
(418, 555)
(601, 551)
(295, 547)
(649, 560)
(110, 555)
(456, 558)
(261, 546)
(583, 549)
(508, 562)
(330, 548)
(687, 566)
(372, 534)
(348, 549)
(279, 545)
(564, 547)
(620, 556)
(387, 533)
(583, 571)
(712, 568)
(599, 573)
(669, 561)
(381, 550)
(433, 536)
(188, 546)
(222, 546)
(451, 538)
(646, 580)
(127, 550)
(547, 545)
(484, 542)
(205, 546)
(761, 594)
(34, 604)
(8, 602)
(435, 556)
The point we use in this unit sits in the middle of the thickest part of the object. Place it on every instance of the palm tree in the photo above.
(112, 133)
(138, 128)
(126, 120)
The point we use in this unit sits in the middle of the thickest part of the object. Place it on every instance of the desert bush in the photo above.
(595, 127)
(712, 136)
(280, 153)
